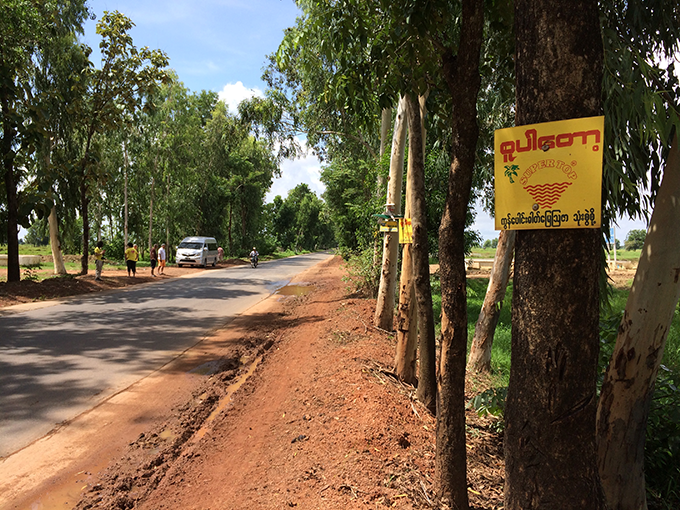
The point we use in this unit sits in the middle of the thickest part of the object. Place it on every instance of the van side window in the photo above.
(212, 246)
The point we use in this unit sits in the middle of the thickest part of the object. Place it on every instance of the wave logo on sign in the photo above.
(547, 195)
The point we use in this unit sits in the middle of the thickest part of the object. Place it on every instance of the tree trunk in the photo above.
(384, 131)
(125, 196)
(385, 119)
(480, 350)
(99, 220)
(86, 223)
(229, 233)
(463, 80)
(384, 312)
(153, 183)
(167, 219)
(550, 455)
(407, 318)
(9, 132)
(427, 380)
(629, 383)
(55, 244)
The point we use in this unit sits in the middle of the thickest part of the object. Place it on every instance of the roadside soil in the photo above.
(293, 406)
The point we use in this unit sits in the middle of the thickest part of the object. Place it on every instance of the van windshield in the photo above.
(191, 246)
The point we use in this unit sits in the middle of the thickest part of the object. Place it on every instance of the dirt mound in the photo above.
(307, 414)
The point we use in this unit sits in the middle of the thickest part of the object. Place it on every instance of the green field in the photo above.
(489, 253)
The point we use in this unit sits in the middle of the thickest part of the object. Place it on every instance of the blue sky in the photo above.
(221, 45)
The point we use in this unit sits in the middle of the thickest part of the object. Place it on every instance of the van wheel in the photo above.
(179, 265)
(214, 262)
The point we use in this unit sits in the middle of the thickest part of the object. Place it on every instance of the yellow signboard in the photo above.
(390, 226)
(405, 231)
(549, 175)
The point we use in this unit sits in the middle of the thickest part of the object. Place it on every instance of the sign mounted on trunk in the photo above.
(549, 175)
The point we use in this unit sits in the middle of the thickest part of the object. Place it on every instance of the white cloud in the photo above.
(234, 93)
(306, 169)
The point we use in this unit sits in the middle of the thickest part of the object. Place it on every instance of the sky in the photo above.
(221, 45)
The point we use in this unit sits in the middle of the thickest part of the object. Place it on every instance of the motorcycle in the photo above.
(253, 261)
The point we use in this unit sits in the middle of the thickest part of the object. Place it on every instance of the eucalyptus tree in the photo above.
(184, 119)
(643, 112)
(58, 69)
(126, 77)
(351, 200)
(27, 29)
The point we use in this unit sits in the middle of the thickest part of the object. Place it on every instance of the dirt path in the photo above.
(292, 406)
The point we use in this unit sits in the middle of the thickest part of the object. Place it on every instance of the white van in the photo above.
(197, 251)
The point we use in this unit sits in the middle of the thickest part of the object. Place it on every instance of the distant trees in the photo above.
(300, 222)
(490, 243)
(125, 150)
(635, 239)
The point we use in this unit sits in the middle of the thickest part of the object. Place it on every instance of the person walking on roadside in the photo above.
(131, 257)
(153, 257)
(161, 259)
(99, 260)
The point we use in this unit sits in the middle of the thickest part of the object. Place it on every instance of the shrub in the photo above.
(363, 276)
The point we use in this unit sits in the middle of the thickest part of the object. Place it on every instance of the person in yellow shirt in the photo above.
(131, 257)
(99, 260)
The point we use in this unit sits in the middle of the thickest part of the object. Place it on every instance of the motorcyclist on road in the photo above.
(254, 256)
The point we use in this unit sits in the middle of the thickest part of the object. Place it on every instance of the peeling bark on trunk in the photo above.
(629, 383)
(55, 244)
(427, 380)
(480, 350)
(407, 312)
(550, 450)
(463, 80)
(407, 318)
(384, 311)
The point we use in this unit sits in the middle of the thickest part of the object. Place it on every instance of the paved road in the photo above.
(59, 361)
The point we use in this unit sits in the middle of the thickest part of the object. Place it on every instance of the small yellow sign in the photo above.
(390, 226)
(405, 231)
(549, 175)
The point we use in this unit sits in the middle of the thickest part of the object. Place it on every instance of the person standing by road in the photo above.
(161, 259)
(99, 260)
(131, 257)
(153, 257)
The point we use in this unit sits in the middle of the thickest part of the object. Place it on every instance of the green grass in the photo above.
(489, 253)
(500, 353)
(626, 254)
(482, 253)
(29, 249)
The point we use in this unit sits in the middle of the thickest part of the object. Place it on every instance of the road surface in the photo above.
(59, 361)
